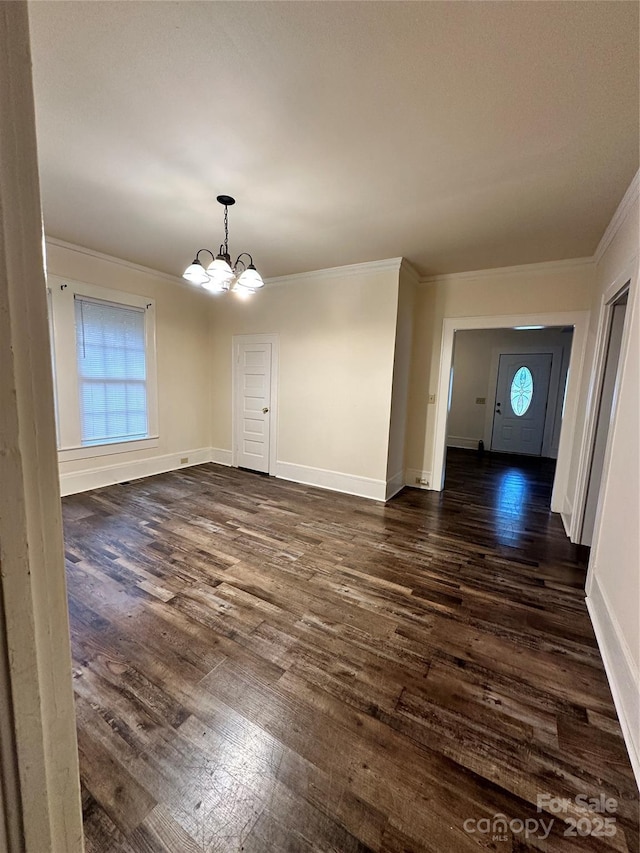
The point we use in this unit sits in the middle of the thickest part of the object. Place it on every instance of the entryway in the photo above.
(559, 430)
(507, 395)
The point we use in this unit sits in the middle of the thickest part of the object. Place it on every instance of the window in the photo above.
(521, 391)
(112, 375)
(105, 375)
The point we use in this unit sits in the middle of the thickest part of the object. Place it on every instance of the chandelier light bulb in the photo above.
(250, 278)
(195, 273)
(219, 268)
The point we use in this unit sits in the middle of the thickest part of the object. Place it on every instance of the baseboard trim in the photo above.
(417, 479)
(566, 514)
(623, 678)
(72, 482)
(350, 484)
(395, 484)
(463, 442)
(221, 457)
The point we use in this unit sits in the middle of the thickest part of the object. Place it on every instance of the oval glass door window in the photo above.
(521, 391)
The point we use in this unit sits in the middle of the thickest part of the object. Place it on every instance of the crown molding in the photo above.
(544, 267)
(92, 253)
(393, 264)
(348, 270)
(408, 269)
(619, 217)
(388, 264)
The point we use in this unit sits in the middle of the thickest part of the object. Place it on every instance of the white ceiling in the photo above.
(460, 135)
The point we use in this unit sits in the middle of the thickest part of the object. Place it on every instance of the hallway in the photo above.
(508, 497)
(264, 666)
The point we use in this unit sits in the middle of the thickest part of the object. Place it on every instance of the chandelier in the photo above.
(221, 276)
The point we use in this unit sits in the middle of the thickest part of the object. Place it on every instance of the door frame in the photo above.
(580, 322)
(274, 340)
(625, 281)
(552, 396)
(40, 803)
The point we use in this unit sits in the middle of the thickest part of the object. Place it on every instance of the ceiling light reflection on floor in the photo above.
(511, 500)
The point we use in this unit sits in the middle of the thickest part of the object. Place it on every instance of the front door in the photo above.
(521, 403)
(253, 402)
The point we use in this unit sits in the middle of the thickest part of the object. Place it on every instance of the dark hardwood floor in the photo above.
(262, 666)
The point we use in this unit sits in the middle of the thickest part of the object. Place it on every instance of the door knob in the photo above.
(265, 410)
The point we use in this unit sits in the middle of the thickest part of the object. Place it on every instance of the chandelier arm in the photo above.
(205, 250)
(238, 261)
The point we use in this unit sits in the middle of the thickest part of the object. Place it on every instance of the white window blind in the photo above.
(112, 371)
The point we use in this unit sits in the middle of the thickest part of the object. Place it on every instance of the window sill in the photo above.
(68, 454)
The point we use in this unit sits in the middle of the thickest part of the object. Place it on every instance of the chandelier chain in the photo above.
(226, 230)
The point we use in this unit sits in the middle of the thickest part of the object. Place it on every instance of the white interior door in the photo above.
(253, 404)
(521, 403)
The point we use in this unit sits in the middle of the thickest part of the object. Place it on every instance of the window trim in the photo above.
(88, 451)
(63, 294)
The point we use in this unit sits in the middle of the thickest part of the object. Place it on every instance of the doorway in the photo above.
(563, 430)
(613, 348)
(508, 389)
(255, 359)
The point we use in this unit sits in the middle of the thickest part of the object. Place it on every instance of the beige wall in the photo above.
(401, 376)
(182, 339)
(617, 258)
(617, 568)
(538, 289)
(614, 569)
(336, 343)
(472, 365)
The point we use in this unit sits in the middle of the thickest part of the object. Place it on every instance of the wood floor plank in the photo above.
(120, 795)
(266, 667)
